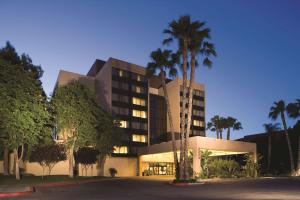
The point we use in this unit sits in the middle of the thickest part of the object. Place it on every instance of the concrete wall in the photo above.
(124, 165)
(1, 166)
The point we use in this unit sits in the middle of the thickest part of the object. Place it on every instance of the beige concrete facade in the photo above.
(126, 166)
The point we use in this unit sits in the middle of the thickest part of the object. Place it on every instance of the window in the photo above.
(198, 123)
(137, 77)
(139, 113)
(115, 84)
(121, 73)
(197, 132)
(138, 101)
(198, 103)
(139, 125)
(198, 93)
(139, 138)
(121, 149)
(120, 110)
(198, 113)
(137, 89)
(123, 124)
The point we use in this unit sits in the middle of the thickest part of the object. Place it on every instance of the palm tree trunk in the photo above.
(183, 110)
(189, 111)
(174, 147)
(5, 161)
(269, 151)
(221, 136)
(16, 161)
(289, 144)
(228, 134)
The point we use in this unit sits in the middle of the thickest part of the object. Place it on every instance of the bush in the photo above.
(112, 172)
(223, 168)
(251, 168)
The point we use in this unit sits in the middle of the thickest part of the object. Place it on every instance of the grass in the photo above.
(33, 180)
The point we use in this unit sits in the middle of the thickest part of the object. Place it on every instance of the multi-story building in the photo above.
(123, 89)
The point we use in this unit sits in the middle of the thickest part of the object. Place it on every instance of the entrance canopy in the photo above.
(163, 152)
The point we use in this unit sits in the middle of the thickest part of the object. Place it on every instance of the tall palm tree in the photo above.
(231, 123)
(180, 30)
(293, 110)
(198, 46)
(165, 61)
(279, 109)
(215, 125)
(269, 129)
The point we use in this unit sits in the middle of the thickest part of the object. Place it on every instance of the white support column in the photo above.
(196, 161)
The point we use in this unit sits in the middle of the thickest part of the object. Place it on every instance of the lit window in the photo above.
(139, 138)
(121, 73)
(138, 101)
(120, 149)
(198, 123)
(139, 113)
(137, 89)
(138, 78)
(123, 124)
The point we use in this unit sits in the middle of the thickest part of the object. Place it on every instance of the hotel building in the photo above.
(122, 89)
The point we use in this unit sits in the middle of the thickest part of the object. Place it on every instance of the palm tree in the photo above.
(231, 123)
(180, 31)
(279, 109)
(269, 129)
(163, 61)
(215, 125)
(198, 46)
(293, 110)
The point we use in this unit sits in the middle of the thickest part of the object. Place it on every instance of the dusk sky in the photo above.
(257, 43)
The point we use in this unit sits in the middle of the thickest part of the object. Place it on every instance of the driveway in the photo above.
(155, 189)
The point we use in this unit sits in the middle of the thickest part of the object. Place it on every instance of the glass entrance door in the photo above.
(161, 169)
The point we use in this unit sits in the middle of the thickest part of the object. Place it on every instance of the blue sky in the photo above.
(257, 43)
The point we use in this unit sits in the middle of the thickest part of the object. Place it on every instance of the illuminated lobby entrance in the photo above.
(160, 168)
(158, 159)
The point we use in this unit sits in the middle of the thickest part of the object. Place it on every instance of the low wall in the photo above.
(61, 168)
(124, 165)
(1, 166)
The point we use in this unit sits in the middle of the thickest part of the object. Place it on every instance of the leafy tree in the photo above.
(9, 54)
(76, 117)
(162, 61)
(231, 123)
(24, 118)
(270, 128)
(279, 109)
(86, 156)
(48, 156)
(109, 134)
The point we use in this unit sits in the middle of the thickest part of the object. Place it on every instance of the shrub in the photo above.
(251, 168)
(205, 160)
(112, 172)
(223, 168)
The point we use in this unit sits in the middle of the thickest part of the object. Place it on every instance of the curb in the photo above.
(66, 183)
(185, 184)
(16, 194)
